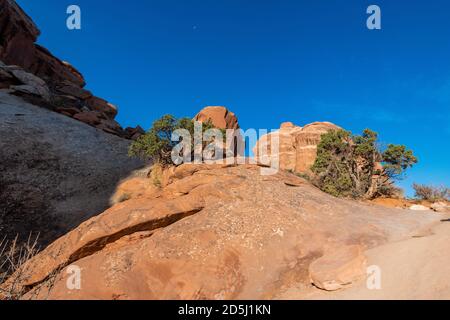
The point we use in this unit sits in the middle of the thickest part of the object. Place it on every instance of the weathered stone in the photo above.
(220, 117)
(74, 168)
(201, 235)
(297, 146)
(338, 268)
(30, 83)
(74, 91)
(101, 105)
(70, 111)
(440, 207)
(91, 118)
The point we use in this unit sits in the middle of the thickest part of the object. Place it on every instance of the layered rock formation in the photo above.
(297, 145)
(217, 232)
(31, 71)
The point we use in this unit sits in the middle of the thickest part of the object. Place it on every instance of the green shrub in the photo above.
(349, 165)
(157, 144)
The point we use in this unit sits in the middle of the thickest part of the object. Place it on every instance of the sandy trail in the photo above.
(415, 268)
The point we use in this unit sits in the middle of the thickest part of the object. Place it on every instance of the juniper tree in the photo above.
(354, 166)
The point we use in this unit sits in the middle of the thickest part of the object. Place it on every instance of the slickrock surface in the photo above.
(217, 232)
(55, 172)
(414, 268)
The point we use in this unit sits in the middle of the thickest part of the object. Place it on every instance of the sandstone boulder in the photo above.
(440, 207)
(101, 105)
(134, 133)
(221, 117)
(71, 90)
(17, 35)
(338, 268)
(110, 126)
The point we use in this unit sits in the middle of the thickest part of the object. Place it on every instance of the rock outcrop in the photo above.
(297, 145)
(55, 172)
(32, 72)
(441, 206)
(217, 232)
(220, 117)
(339, 267)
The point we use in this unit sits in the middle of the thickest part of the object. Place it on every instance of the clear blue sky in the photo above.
(269, 62)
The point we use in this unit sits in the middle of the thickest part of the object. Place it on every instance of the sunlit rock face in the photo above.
(297, 145)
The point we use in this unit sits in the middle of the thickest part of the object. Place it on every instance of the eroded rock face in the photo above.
(221, 117)
(55, 172)
(297, 145)
(206, 234)
(18, 35)
(32, 72)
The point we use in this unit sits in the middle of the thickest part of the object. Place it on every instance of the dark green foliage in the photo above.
(157, 144)
(397, 159)
(350, 165)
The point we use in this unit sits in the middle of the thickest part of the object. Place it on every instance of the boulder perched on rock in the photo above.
(297, 145)
(220, 117)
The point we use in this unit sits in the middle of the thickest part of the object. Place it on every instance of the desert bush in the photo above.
(13, 258)
(431, 193)
(157, 144)
(350, 165)
(390, 191)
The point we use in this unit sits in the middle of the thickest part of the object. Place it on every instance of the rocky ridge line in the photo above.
(32, 72)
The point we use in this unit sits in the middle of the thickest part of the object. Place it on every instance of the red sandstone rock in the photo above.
(100, 105)
(18, 35)
(338, 268)
(221, 117)
(70, 111)
(202, 235)
(68, 89)
(297, 146)
(91, 118)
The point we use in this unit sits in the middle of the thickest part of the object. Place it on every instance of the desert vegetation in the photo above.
(157, 145)
(431, 193)
(13, 256)
(355, 166)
